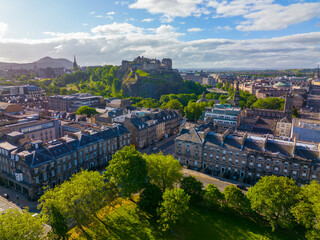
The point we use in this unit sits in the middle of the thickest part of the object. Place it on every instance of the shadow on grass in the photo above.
(202, 224)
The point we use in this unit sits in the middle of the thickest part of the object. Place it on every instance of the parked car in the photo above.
(242, 187)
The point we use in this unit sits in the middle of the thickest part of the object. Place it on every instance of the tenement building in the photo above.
(247, 158)
(223, 117)
(28, 166)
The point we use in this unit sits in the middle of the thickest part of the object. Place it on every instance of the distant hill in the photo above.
(41, 63)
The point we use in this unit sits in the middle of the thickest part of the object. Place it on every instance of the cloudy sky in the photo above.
(268, 34)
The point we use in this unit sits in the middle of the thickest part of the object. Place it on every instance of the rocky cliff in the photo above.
(151, 83)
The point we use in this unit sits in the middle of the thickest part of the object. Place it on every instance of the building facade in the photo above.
(27, 167)
(248, 158)
(283, 128)
(223, 117)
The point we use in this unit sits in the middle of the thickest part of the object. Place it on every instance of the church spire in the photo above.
(236, 96)
(317, 75)
(74, 62)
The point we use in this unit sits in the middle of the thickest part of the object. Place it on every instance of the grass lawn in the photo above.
(202, 224)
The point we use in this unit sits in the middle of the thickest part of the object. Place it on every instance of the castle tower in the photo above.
(236, 97)
(317, 74)
(74, 62)
(288, 105)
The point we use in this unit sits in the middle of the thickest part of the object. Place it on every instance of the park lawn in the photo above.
(203, 224)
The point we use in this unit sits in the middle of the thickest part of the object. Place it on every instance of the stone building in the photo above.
(223, 117)
(272, 114)
(306, 130)
(147, 64)
(29, 166)
(152, 127)
(283, 128)
(247, 158)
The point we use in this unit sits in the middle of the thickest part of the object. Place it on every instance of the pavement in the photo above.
(166, 146)
(221, 183)
(13, 202)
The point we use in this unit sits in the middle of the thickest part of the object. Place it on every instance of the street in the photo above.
(166, 146)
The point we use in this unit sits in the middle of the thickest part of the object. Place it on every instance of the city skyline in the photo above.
(194, 33)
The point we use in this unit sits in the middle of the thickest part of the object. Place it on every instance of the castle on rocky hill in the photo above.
(147, 64)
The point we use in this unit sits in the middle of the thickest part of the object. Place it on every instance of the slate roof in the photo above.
(65, 146)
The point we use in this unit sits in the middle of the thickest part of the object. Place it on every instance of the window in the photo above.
(64, 167)
(44, 176)
(224, 152)
(244, 155)
(276, 169)
(211, 149)
(58, 169)
(217, 157)
(69, 164)
(195, 163)
(52, 173)
(237, 161)
(243, 162)
(313, 177)
(188, 145)
(75, 162)
(52, 164)
(37, 179)
(36, 170)
(179, 143)
(295, 165)
(230, 152)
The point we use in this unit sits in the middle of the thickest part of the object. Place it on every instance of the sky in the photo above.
(251, 34)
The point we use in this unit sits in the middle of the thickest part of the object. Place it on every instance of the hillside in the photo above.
(151, 84)
(41, 63)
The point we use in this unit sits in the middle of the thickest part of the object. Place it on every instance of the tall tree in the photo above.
(163, 171)
(16, 225)
(307, 209)
(58, 223)
(273, 197)
(89, 111)
(79, 199)
(128, 171)
(193, 188)
(150, 199)
(213, 197)
(236, 199)
(175, 204)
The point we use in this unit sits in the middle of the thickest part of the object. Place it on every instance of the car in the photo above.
(242, 187)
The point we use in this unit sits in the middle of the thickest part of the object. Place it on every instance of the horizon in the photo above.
(238, 34)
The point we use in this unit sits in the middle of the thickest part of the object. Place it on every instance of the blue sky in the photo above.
(194, 33)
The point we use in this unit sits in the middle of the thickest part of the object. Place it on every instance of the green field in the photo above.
(204, 224)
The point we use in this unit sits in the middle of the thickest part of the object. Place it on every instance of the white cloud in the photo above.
(111, 13)
(264, 15)
(170, 8)
(195, 29)
(109, 44)
(223, 28)
(116, 29)
(3, 28)
(147, 20)
(92, 12)
(85, 24)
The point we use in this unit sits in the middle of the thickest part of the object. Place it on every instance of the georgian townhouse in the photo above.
(247, 158)
(28, 167)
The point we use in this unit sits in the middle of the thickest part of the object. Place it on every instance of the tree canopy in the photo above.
(89, 111)
(18, 225)
(273, 197)
(163, 170)
(128, 171)
(193, 188)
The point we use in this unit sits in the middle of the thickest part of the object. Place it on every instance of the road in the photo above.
(221, 183)
(166, 146)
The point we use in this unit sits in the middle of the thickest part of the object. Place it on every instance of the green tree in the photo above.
(173, 104)
(193, 188)
(150, 199)
(213, 197)
(219, 85)
(272, 197)
(194, 111)
(58, 223)
(295, 113)
(128, 170)
(163, 170)
(175, 204)
(116, 85)
(236, 199)
(80, 198)
(307, 209)
(16, 225)
(89, 111)
(269, 103)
